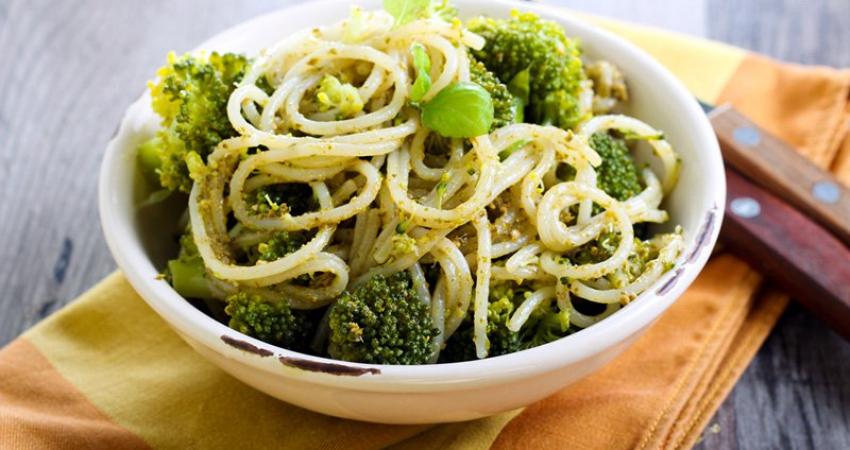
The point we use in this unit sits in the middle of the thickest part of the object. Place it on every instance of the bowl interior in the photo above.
(142, 238)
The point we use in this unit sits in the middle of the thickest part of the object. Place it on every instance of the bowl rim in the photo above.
(194, 324)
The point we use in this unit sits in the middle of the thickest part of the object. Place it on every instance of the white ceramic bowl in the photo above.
(431, 393)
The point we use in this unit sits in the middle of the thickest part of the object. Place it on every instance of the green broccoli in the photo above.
(604, 246)
(545, 324)
(275, 323)
(501, 340)
(190, 95)
(618, 175)
(504, 107)
(642, 253)
(595, 251)
(279, 245)
(187, 273)
(546, 64)
(344, 97)
(382, 321)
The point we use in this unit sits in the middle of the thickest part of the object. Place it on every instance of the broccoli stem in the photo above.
(149, 161)
(189, 278)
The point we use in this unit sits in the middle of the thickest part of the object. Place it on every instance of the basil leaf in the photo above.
(460, 110)
(422, 64)
(406, 11)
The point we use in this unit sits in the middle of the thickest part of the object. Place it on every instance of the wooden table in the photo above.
(69, 69)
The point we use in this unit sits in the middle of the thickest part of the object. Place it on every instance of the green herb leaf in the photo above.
(516, 145)
(460, 110)
(422, 64)
(406, 11)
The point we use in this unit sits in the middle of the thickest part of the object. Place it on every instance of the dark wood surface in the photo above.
(69, 69)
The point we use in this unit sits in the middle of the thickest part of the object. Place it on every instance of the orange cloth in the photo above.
(40, 409)
(94, 376)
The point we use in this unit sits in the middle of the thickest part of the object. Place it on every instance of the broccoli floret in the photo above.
(609, 86)
(545, 324)
(382, 321)
(281, 244)
(595, 251)
(552, 61)
(275, 323)
(604, 246)
(642, 253)
(187, 273)
(504, 107)
(501, 340)
(148, 158)
(333, 94)
(190, 95)
(618, 175)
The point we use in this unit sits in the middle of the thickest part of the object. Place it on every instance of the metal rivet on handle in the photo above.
(826, 191)
(746, 207)
(748, 136)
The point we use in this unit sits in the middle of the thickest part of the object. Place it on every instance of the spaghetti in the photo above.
(386, 203)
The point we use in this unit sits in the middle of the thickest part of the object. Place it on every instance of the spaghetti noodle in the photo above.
(485, 211)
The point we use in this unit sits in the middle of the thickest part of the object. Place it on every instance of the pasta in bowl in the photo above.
(408, 195)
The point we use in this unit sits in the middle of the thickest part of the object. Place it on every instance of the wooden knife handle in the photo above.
(772, 163)
(791, 249)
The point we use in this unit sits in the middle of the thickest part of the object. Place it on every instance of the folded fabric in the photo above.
(107, 372)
